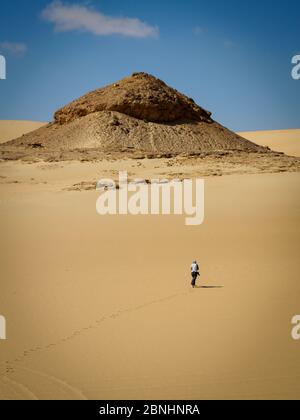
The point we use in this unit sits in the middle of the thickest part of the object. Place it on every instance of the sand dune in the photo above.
(287, 141)
(11, 129)
(119, 320)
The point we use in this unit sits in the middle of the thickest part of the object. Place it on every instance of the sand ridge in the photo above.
(287, 141)
(11, 129)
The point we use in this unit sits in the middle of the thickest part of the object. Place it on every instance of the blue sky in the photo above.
(233, 57)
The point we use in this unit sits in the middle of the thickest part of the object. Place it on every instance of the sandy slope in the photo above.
(101, 307)
(10, 130)
(287, 141)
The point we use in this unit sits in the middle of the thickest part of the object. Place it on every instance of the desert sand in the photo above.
(287, 141)
(11, 129)
(101, 307)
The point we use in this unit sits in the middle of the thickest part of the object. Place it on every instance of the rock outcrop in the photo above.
(138, 114)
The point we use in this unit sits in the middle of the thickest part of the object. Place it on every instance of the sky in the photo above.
(233, 57)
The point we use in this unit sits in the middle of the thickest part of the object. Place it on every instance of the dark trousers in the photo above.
(194, 278)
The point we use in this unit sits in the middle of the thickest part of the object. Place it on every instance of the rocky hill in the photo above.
(140, 114)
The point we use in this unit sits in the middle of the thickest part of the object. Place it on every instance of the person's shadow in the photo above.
(209, 287)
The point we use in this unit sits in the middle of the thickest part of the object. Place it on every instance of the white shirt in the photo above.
(194, 268)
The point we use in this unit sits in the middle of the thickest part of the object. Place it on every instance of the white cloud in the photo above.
(15, 48)
(70, 17)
